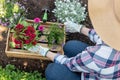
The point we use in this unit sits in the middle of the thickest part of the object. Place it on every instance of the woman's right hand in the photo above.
(72, 27)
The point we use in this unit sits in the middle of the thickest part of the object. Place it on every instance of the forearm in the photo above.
(72, 63)
(51, 55)
(85, 30)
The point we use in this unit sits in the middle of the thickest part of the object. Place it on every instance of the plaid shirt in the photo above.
(99, 62)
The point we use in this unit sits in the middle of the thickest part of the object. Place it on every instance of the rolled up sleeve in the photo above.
(79, 63)
(94, 37)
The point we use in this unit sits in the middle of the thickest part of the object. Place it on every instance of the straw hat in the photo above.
(105, 18)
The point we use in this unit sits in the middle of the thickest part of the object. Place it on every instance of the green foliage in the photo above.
(10, 12)
(56, 35)
(70, 10)
(11, 73)
(2, 13)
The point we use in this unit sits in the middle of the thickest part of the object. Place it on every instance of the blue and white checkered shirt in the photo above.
(99, 62)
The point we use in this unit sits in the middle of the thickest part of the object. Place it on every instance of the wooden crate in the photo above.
(19, 53)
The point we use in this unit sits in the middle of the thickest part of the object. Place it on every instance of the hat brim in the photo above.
(104, 21)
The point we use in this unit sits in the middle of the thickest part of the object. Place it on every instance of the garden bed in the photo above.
(35, 10)
(20, 53)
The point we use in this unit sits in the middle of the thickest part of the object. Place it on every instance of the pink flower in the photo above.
(37, 20)
(41, 28)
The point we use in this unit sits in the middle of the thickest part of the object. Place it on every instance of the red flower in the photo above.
(32, 36)
(25, 35)
(27, 41)
(30, 29)
(17, 41)
(19, 27)
(34, 42)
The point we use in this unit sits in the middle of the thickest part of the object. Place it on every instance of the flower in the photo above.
(69, 10)
(19, 27)
(41, 28)
(10, 12)
(27, 41)
(37, 20)
(34, 42)
(18, 43)
(25, 35)
(29, 31)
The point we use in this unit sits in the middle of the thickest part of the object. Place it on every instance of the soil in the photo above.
(35, 10)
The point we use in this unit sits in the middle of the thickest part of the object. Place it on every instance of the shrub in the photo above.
(70, 10)
(10, 12)
(12, 73)
(56, 35)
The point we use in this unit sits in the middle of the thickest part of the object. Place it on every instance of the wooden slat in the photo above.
(47, 23)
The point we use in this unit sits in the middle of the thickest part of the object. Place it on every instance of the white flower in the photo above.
(66, 0)
(69, 10)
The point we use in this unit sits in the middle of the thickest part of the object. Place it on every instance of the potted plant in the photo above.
(56, 35)
(24, 34)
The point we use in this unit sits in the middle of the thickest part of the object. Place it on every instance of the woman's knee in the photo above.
(73, 47)
(56, 71)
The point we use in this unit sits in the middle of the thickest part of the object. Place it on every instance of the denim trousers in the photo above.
(56, 71)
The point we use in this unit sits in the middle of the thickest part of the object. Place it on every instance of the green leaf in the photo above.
(36, 25)
(12, 30)
(10, 72)
(56, 35)
(24, 23)
(21, 36)
(12, 44)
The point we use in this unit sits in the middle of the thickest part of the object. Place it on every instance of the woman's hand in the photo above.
(39, 49)
(73, 27)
